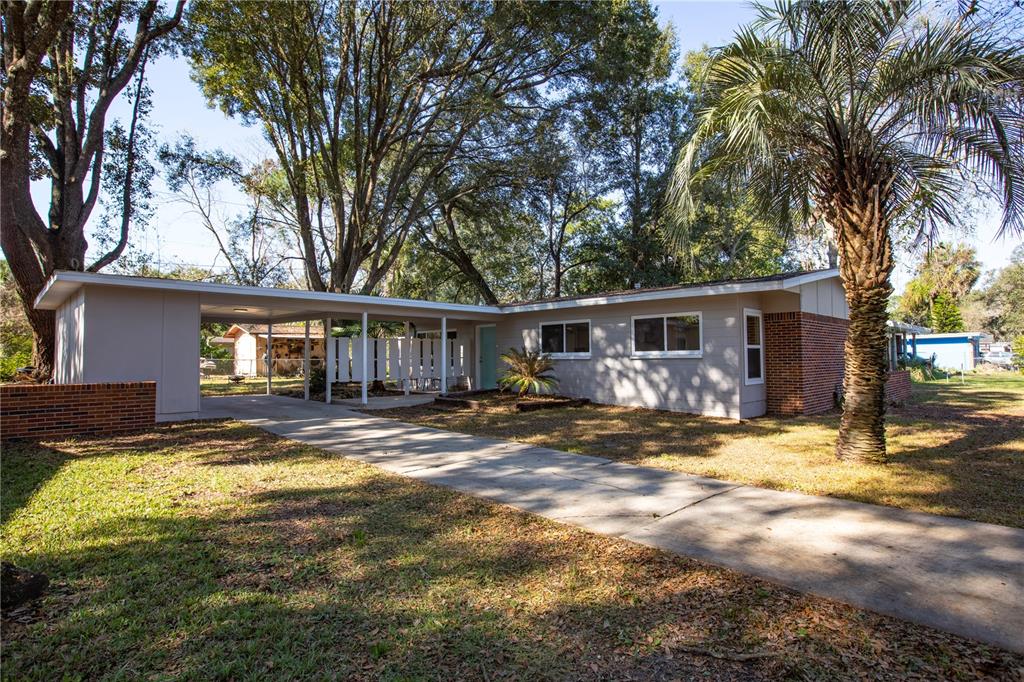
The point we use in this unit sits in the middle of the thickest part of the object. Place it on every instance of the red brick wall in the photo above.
(824, 355)
(803, 361)
(51, 410)
(783, 375)
(897, 386)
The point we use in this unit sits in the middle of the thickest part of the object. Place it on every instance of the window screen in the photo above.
(753, 330)
(577, 337)
(649, 334)
(683, 332)
(551, 338)
(753, 363)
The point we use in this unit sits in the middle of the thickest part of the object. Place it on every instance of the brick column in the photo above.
(803, 361)
(783, 377)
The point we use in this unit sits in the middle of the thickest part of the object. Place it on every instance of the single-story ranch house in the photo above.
(737, 349)
(952, 351)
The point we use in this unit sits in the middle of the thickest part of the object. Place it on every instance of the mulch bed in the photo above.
(484, 399)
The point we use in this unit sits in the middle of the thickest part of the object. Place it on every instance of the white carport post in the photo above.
(305, 365)
(331, 360)
(270, 355)
(406, 355)
(444, 354)
(363, 336)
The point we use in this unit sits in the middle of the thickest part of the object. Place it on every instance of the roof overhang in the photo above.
(951, 335)
(787, 284)
(906, 328)
(233, 303)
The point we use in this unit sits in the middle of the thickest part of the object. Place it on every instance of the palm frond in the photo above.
(812, 84)
(526, 371)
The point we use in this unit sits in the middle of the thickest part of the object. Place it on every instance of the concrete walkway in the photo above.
(955, 575)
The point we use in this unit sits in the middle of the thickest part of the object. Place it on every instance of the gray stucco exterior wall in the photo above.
(711, 384)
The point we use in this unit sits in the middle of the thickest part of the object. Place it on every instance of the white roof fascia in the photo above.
(62, 283)
(44, 300)
(950, 335)
(907, 328)
(664, 294)
(807, 278)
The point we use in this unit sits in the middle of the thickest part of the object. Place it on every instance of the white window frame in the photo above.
(750, 312)
(699, 353)
(565, 356)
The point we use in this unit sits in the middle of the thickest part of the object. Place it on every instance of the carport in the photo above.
(114, 328)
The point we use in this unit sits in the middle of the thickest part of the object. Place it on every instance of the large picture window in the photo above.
(566, 340)
(677, 335)
(753, 345)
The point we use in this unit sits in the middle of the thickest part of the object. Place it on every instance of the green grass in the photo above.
(219, 385)
(218, 551)
(955, 449)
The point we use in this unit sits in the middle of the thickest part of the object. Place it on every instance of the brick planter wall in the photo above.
(897, 386)
(39, 411)
(803, 361)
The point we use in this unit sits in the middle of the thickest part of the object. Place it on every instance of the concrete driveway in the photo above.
(960, 576)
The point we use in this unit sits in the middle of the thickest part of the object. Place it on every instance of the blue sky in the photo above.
(179, 107)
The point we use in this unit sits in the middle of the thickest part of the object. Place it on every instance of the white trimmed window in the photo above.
(566, 340)
(679, 335)
(753, 346)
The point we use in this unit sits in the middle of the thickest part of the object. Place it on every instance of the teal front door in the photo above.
(487, 346)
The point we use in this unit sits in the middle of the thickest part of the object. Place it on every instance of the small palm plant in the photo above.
(527, 370)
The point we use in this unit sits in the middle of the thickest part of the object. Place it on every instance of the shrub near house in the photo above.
(1018, 353)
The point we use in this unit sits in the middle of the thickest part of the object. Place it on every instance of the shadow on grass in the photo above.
(26, 468)
(370, 576)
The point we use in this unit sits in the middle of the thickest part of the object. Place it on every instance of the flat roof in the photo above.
(907, 328)
(950, 335)
(235, 303)
(780, 282)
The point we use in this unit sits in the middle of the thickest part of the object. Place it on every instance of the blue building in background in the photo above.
(957, 350)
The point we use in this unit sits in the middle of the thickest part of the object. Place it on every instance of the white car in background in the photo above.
(998, 357)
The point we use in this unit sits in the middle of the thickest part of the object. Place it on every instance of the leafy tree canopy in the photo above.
(948, 269)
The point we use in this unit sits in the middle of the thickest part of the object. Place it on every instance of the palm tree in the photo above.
(527, 370)
(870, 118)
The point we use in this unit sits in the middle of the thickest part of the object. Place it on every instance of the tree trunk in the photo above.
(865, 260)
(862, 426)
(558, 276)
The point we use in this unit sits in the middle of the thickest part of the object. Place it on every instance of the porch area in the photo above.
(385, 356)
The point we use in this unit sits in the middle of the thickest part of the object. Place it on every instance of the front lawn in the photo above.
(956, 450)
(214, 385)
(218, 551)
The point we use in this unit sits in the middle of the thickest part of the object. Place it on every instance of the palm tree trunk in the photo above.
(865, 264)
(862, 426)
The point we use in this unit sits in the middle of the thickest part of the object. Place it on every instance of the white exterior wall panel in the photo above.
(70, 332)
(144, 336)
(824, 297)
